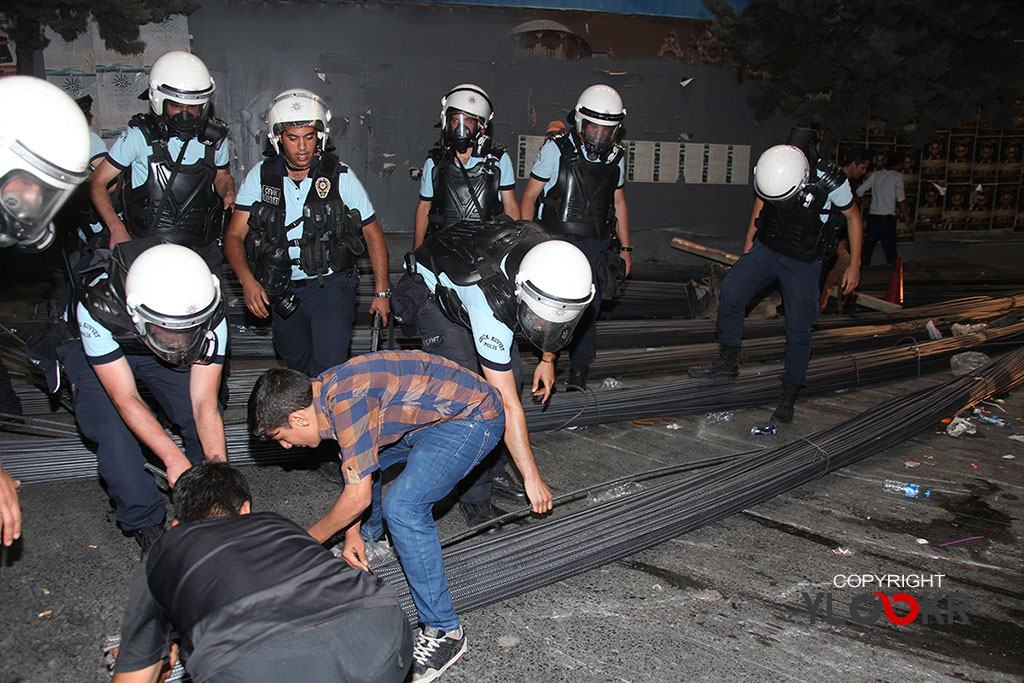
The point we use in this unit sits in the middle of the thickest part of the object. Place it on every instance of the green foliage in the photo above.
(118, 22)
(916, 65)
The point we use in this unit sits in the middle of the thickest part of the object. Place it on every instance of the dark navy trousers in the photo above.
(755, 270)
(879, 228)
(583, 346)
(137, 501)
(317, 335)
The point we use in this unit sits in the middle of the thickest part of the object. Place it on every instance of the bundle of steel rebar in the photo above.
(482, 572)
(824, 375)
(58, 459)
(254, 341)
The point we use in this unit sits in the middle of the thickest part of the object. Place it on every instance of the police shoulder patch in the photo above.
(271, 195)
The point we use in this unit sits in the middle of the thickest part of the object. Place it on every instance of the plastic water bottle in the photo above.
(905, 489)
(725, 416)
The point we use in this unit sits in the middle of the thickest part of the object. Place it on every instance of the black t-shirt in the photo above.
(231, 584)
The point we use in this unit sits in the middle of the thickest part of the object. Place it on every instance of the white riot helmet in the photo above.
(297, 107)
(554, 286)
(781, 173)
(598, 115)
(181, 77)
(173, 299)
(44, 154)
(463, 104)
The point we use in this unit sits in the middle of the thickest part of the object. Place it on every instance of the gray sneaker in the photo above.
(434, 652)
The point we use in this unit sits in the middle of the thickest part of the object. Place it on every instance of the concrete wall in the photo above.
(386, 67)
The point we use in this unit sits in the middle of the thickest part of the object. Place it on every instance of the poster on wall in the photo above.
(965, 179)
(663, 162)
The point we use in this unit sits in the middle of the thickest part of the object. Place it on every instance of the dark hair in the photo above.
(277, 394)
(857, 155)
(893, 159)
(210, 489)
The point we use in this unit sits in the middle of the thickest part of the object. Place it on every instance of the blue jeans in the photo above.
(444, 338)
(436, 458)
(137, 502)
(799, 282)
(316, 336)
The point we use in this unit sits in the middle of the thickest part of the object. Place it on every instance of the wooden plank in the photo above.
(865, 300)
(707, 252)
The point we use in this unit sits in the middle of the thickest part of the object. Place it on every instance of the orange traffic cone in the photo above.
(894, 292)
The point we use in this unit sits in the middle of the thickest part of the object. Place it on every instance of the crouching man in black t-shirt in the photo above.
(255, 598)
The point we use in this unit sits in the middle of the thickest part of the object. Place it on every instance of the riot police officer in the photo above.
(469, 289)
(44, 155)
(300, 222)
(794, 225)
(179, 155)
(467, 177)
(154, 311)
(580, 177)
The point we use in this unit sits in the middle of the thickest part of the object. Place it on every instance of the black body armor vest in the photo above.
(104, 297)
(581, 200)
(464, 194)
(331, 233)
(471, 254)
(802, 228)
(192, 213)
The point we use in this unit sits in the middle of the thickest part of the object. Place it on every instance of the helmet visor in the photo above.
(547, 321)
(546, 335)
(597, 138)
(27, 205)
(461, 129)
(178, 347)
(185, 96)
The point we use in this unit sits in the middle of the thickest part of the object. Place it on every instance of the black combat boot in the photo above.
(577, 378)
(784, 411)
(726, 365)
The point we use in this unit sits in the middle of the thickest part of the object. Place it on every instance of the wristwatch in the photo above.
(386, 294)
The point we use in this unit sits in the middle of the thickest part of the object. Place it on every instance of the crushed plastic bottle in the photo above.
(611, 383)
(903, 488)
(960, 426)
(767, 430)
(995, 421)
(724, 416)
(620, 491)
(967, 362)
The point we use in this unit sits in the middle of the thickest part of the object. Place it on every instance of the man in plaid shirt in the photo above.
(385, 408)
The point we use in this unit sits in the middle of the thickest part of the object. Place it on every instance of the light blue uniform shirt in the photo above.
(131, 150)
(507, 177)
(545, 168)
(97, 150)
(841, 198)
(349, 187)
(493, 339)
(101, 348)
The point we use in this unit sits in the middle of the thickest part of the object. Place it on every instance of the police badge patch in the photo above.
(323, 186)
(271, 195)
